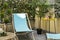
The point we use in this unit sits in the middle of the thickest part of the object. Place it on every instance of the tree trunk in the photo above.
(36, 21)
(40, 23)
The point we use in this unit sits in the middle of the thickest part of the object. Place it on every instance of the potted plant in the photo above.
(39, 31)
(41, 13)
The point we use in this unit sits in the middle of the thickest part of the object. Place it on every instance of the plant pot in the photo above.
(39, 31)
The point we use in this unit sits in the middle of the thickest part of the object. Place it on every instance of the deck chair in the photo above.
(20, 23)
(53, 36)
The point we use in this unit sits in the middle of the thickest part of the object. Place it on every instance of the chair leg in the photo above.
(16, 38)
(33, 36)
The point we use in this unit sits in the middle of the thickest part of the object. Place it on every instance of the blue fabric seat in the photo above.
(20, 23)
(53, 36)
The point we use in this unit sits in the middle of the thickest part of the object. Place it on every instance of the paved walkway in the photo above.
(39, 37)
(36, 36)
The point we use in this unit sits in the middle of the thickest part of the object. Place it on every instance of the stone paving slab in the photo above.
(39, 37)
(36, 36)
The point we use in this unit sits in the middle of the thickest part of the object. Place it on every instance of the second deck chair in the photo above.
(20, 23)
(53, 36)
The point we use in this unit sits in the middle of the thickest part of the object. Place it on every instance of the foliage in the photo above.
(2, 15)
(5, 5)
(43, 10)
(6, 20)
(25, 6)
(9, 11)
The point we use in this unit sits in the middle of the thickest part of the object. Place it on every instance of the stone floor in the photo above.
(39, 37)
(36, 36)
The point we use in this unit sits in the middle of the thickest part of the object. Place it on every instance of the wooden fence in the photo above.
(51, 25)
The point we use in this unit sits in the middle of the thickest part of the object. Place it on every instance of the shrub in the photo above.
(6, 20)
